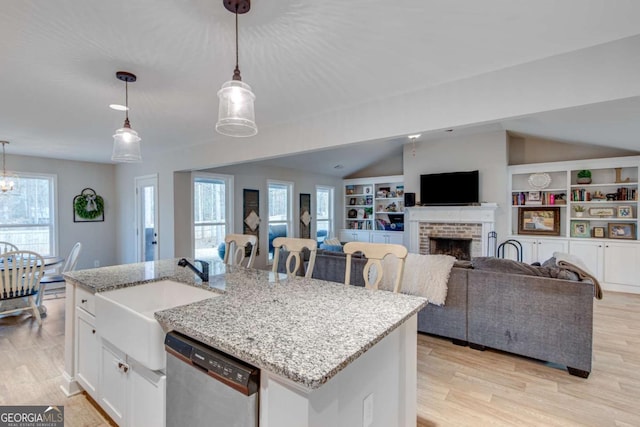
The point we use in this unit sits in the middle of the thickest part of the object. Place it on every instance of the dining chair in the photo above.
(375, 253)
(235, 246)
(295, 246)
(20, 278)
(48, 281)
(7, 247)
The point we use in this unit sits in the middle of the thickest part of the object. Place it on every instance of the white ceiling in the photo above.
(301, 57)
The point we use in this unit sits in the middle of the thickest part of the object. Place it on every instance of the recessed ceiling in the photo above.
(301, 57)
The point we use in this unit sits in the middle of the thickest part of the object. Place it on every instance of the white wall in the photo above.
(597, 74)
(485, 152)
(98, 238)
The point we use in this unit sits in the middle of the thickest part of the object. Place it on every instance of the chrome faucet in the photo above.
(204, 274)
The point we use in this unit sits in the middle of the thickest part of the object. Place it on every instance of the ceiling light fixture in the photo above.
(235, 114)
(126, 142)
(8, 180)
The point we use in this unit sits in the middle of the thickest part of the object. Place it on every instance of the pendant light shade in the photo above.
(126, 142)
(235, 113)
(7, 180)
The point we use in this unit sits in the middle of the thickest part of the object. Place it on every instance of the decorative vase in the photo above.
(579, 214)
(584, 180)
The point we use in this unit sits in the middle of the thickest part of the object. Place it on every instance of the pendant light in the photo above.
(8, 179)
(126, 142)
(235, 114)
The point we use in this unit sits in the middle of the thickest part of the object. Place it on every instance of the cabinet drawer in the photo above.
(85, 299)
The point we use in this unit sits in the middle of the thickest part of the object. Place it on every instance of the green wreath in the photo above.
(80, 206)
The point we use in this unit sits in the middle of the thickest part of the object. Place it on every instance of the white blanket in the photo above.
(424, 275)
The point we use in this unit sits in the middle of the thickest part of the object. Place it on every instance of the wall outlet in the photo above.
(96, 263)
(367, 411)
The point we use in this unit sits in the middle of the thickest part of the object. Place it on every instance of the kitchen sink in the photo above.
(124, 317)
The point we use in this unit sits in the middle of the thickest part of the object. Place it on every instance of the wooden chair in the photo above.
(295, 247)
(7, 247)
(375, 253)
(235, 249)
(20, 278)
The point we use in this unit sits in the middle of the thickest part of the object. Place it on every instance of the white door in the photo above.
(147, 217)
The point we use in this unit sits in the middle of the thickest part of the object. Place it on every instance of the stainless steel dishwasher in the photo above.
(206, 387)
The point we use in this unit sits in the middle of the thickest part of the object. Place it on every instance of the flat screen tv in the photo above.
(452, 188)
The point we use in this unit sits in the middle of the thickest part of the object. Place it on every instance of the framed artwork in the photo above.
(601, 211)
(88, 206)
(580, 229)
(251, 215)
(621, 230)
(625, 212)
(598, 232)
(352, 201)
(305, 215)
(539, 221)
(534, 196)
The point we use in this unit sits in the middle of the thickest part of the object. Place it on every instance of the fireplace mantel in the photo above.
(483, 215)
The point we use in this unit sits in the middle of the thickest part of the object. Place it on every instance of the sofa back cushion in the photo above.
(331, 266)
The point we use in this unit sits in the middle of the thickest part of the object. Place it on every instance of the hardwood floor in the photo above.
(31, 365)
(457, 386)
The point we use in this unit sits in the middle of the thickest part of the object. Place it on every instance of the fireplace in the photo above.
(458, 248)
(469, 224)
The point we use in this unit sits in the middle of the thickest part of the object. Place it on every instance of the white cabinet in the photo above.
(591, 253)
(87, 352)
(538, 250)
(387, 237)
(130, 393)
(147, 391)
(354, 236)
(113, 382)
(622, 264)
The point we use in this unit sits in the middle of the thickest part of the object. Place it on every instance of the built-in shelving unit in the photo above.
(374, 209)
(598, 217)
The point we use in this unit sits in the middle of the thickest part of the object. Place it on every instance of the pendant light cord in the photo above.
(126, 99)
(237, 61)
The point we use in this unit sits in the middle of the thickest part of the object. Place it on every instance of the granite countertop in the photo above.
(304, 330)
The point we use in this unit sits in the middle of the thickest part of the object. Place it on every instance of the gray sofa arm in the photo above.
(450, 320)
(542, 318)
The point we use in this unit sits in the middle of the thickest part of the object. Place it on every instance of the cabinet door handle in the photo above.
(93, 331)
(82, 301)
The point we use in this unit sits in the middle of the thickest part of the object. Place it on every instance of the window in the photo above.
(212, 212)
(280, 211)
(324, 213)
(28, 216)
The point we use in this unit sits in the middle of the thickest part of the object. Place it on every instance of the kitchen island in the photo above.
(329, 354)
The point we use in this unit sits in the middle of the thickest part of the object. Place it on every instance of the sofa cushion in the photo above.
(499, 265)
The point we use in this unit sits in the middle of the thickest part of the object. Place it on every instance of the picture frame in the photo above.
(580, 229)
(598, 232)
(305, 215)
(622, 230)
(352, 201)
(534, 196)
(601, 212)
(539, 221)
(625, 212)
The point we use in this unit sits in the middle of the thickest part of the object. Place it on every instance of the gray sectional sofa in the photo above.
(526, 313)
